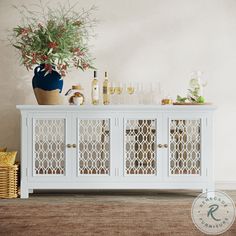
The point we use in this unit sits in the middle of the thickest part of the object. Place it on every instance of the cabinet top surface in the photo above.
(116, 107)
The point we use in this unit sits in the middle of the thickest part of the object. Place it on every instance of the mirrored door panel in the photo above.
(140, 140)
(94, 147)
(49, 146)
(185, 147)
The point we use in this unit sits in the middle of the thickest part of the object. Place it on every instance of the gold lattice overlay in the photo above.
(49, 146)
(140, 141)
(185, 147)
(94, 147)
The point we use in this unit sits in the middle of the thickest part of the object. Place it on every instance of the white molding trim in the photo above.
(226, 185)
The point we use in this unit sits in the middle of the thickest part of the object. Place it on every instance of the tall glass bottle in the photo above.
(95, 89)
(106, 90)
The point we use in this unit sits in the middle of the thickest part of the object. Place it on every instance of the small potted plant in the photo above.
(53, 40)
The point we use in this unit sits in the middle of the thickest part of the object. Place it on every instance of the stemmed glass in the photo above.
(131, 92)
(155, 92)
(112, 92)
(140, 93)
(130, 89)
(118, 89)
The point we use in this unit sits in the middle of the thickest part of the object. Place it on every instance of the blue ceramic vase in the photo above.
(47, 88)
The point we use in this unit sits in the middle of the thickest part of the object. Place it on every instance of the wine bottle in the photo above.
(106, 90)
(95, 89)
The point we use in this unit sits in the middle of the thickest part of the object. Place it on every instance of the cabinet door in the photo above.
(141, 135)
(50, 134)
(184, 135)
(93, 157)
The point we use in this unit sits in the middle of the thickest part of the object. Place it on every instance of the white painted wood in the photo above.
(168, 116)
(157, 117)
(110, 108)
(116, 179)
(32, 117)
(24, 192)
(114, 185)
(98, 116)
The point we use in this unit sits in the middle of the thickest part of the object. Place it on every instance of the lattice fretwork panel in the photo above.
(94, 147)
(140, 142)
(49, 146)
(185, 147)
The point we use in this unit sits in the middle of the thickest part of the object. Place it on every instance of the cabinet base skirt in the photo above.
(204, 187)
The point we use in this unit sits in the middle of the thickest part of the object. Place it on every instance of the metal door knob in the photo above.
(159, 145)
(165, 145)
(74, 145)
(69, 145)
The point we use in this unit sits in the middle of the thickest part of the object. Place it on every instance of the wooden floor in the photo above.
(102, 213)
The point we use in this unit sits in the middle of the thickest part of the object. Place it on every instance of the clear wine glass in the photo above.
(155, 92)
(130, 89)
(112, 92)
(140, 93)
(118, 92)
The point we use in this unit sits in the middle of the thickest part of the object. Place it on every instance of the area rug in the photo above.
(96, 213)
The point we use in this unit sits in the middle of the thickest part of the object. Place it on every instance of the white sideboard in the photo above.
(116, 147)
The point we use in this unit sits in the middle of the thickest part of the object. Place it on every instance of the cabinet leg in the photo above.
(31, 191)
(24, 193)
(209, 191)
(210, 194)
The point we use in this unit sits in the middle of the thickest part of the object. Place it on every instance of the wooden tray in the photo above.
(191, 103)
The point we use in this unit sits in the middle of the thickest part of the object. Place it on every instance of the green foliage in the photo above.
(193, 96)
(54, 37)
(181, 99)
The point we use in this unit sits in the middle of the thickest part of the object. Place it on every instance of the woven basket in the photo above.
(8, 181)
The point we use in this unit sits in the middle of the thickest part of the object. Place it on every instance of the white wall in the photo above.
(144, 40)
